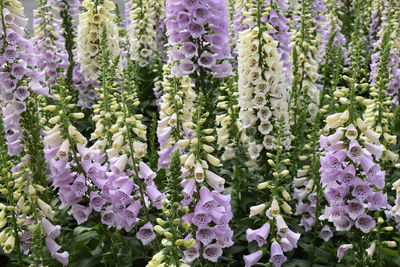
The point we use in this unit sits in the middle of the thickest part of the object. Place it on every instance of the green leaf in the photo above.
(86, 236)
(390, 252)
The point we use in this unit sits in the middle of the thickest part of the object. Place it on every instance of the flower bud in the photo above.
(274, 207)
(390, 244)
(186, 226)
(286, 208)
(158, 229)
(263, 185)
(189, 243)
(78, 115)
(286, 195)
(213, 160)
(168, 235)
(160, 221)
(179, 242)
(254, 210)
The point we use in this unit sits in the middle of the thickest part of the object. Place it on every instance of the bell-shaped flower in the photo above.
(252, 258)
(260, 235)
(277, 256)
(146, 234)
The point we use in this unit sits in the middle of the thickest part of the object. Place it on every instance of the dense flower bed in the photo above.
(200, 133)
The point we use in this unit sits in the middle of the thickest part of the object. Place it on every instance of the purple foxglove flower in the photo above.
(225, 238)
(155, 196)
(200, 217)
(10, 54)
(206, 235)
(375, 150)
(21, 93)
(377, 179)
(354, 208)
(342, 249)
(342, 223)
(286, 245)
(212, 252)
(86, 154)
(164, 136)
(118, 166)
(146, 234)
(260, 235)
(277, 256)
(377, 201)
(39, 89)
(188, 189)
(52, 245)
(195, 29)
(336, 193)
(96, 201)
(207, 200)
(79, 186)
(365, 223)
(206, 60)
(326, 233)
(189, 50)
(220, 217)
(146, 173)
(307, 223)
(18, 71)
(335, 162)
(62, 257)
(347, 177)
(361, 190)
(108, 217)
(50, 230)
(80, 213)
(252, 258)
(192, 253)
(292, 237)
(186, 67)
(355, 152)
(130, 215)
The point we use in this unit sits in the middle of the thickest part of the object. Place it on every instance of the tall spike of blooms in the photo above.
(20, 90)
(230, 136)
(158, 15)
(332, 26)
(263, 100)
(352, 175)
(305, 97)
(142, 34)
(198, 34)
(172, 228)
(49, 41)
(263, 93)
(176, 108)
(385, 78)
(96, 16)
(307, 189)
(99, 178)
(19, 78)
(282, 238)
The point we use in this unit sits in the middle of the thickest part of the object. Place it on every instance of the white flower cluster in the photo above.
(176, 109)
(142, 34)
(263, 96)
(90, 28)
